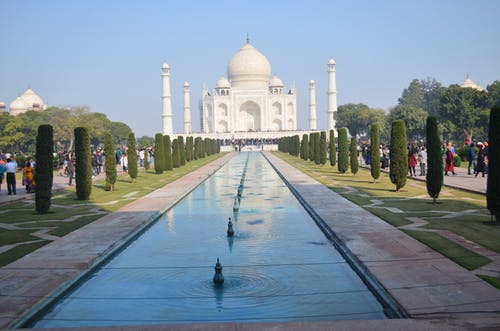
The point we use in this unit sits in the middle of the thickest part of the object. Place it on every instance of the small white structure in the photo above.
(332, 94)
(249, 100)
(469, 83)
(312, 105)
(29, 100)
(166, 101)
(187, 110)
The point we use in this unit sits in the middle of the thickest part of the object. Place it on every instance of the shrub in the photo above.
(333, 151)
(167, 153)
(44, 170)
(109, 163)
(343, 163)
(375, 151)
(399, 155)
(83, 164)
(354, 156)
(434, 177)
(146, 160)
(159, 158)
(317, 151)
(322, 147)
(493, 186)
(176, 155)
(182, 149)
(132, 156)
(304, 148)
(463, 152)
(457, 161)
(311, 146)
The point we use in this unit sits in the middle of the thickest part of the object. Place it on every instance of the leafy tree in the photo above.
(354, 157)
(333, 151)
(109, 163)
(432, 94)
(176, 155)
(83, 165)
(375, 151)
(44, 173)
(343, 163)
(304, 148)
(322, 148)
(461, 110)
(434, 177)
(352, 116)
(145, 142)
(167, 153)
(493, 186)
(132, 156)
(414, 119)
(399, 155)
(159, 156)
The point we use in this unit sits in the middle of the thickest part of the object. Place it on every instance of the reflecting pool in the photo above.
(278, 266)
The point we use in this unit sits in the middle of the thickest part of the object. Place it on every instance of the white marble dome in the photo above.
(32, 99)
(249, 68)
(276, 82)
(18, 106)
(222, 83)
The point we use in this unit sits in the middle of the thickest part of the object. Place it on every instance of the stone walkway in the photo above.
(426, 284)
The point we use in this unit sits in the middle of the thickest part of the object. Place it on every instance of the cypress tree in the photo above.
(159, 157)
(196, 149)
(317, 151)
(493, 183)
(182, 150)
(146, 159)
(354, 156)
(322, 148)
(189, 149)
(333, 151)
(167, 147)
(434, 177)
(375, 151)
(83, 164)
(311, 146)
(109, 163)
(176, 155)
(44, 174)
(305, 147)
(132, 156)
(343, 163)
(399, 155)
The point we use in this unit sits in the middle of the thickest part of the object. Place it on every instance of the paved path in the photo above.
(425, 283)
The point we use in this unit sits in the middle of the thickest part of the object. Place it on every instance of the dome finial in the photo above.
(248, 38)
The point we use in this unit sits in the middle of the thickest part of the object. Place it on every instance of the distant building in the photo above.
(3, 107)
(29, 100)
(469, 83)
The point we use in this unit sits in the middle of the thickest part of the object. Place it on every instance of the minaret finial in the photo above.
(248, 38)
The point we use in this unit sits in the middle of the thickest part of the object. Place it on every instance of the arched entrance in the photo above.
(249, 117)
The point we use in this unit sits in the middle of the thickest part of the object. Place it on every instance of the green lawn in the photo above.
(461, 212)
(68, 214)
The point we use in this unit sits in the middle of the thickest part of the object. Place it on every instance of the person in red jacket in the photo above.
(449, 162)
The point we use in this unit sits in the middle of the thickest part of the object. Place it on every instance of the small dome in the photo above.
(222, 83)
(32, 99)
(2, 105)
(332, 61)
(275, 82)
(249, 68)
(469, 83)
(165, 66)
(186, 84)
(18, 106)
(311, 82)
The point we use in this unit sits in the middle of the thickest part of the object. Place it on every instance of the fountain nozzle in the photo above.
(218, 277)
(230, 230)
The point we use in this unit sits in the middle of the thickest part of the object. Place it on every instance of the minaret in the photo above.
(312, 106)
(332, 94)
(187, 109)
(166, 101)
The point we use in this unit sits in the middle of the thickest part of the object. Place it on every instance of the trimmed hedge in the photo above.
(333, 151)
(159, 157)
(182, 149)
(399, 155)
(343, 163)
(132, 156)
(322, 147)
(354, 156)
(434, 178)
(304, 149)
(44, 170)
(493, 187)
(109, 163)
(168, 162)
(375, 151)
(83, 164)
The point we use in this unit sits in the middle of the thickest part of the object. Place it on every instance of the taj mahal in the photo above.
(248, 103)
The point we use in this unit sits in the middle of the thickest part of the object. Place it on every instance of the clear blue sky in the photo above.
(107, 54)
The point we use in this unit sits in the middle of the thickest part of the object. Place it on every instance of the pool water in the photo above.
(278, 266)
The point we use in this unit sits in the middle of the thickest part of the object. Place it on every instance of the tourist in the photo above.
(449, 166)
(10, 169)
(124, 161)
(482, 159)
(70, 169)
(422, 160)
(28, 176)
(471, 156)
(141, 157)
(2, 172)
(412, 162)
(118, 155)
